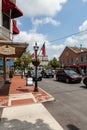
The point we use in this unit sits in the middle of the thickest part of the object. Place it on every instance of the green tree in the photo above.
(23, 62)
(54, 63)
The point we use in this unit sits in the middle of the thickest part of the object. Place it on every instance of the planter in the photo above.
(35, 63)
(11, 73)
(10, 76)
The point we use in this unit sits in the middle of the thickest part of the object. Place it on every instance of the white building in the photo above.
(9, 11)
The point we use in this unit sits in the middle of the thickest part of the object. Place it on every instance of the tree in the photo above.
(54, 63)
(22, 62)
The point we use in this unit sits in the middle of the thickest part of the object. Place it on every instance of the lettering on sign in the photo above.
(7, 50)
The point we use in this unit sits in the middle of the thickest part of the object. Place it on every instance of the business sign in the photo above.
(7, 50)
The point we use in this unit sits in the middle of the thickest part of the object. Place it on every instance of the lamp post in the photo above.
(36, 49)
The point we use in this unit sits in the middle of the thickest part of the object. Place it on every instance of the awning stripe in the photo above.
(7, 5)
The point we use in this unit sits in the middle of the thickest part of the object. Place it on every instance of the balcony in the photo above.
(5, 34)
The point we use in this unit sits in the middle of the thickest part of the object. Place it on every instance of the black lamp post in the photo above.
(36, 49)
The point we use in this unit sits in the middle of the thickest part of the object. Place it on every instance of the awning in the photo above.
(8, 5)
(83, 65)
(15, 29)
(20, 48)
(16, 12)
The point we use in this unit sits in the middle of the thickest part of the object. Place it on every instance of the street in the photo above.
(70, 105)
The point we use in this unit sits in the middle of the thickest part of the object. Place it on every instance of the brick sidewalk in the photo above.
(18, 87)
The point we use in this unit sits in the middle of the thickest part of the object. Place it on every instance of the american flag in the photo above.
(43, 50)
(32, 55)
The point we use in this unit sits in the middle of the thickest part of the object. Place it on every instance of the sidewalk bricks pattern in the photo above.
(18, 86)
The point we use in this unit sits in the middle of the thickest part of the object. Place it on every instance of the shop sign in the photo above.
(7, 50)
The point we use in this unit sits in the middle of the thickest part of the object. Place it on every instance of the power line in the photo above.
(67, 36)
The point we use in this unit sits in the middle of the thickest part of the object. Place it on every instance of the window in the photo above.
(82, 59)
(6, 20)
(71, 60)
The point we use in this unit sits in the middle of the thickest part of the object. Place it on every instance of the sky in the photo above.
(58, 23)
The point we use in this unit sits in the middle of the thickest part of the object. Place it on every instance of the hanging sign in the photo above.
(7, 50)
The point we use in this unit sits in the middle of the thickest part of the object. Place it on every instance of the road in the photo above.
(70, 105)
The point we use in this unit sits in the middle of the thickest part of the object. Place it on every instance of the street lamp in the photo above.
(36, 49)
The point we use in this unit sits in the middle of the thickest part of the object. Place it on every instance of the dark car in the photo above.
(85, 80)
(68, 75)
(33, 75)
(47, 73)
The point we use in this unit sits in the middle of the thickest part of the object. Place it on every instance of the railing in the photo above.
(5, 33)
(4, 102)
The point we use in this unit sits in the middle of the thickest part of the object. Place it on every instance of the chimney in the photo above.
(81, 48)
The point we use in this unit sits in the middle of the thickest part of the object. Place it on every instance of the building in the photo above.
(9, 11)
(74, 57)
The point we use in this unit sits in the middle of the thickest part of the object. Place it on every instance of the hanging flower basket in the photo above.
(35, 62)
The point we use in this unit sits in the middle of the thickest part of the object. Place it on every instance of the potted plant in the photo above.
(35, 62)
(11, 73)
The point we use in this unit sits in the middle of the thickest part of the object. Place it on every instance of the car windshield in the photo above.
(48, 71)
(70, 72)
(33, 72)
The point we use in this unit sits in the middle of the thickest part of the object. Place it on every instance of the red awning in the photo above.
(7, 5)
(16, 12)
(15, 29)
(83, 65)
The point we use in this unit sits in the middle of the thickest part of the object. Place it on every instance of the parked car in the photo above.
(68, 75)
(33, 75)
(47, 73)
(85, 80)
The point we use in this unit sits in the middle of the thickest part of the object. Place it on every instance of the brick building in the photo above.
(74, 57)
(9, 11)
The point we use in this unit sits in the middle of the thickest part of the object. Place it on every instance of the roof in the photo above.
(20, 48)
(77, 49)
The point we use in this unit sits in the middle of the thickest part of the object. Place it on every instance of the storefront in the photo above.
(10, 50)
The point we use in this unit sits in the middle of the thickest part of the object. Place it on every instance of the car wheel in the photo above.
(67, 80)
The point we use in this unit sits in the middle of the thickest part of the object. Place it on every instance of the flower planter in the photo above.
(35, 63)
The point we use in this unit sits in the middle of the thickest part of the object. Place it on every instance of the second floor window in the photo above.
(6, 21)
(81, 58)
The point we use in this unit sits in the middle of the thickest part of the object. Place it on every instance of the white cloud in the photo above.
(31, 38)
(71, 41)
(78, 39)
(54, 50)
(51, 49)
(18, 22)
(84, 0)
(83, 26)
(45, 21)
(40, 7)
